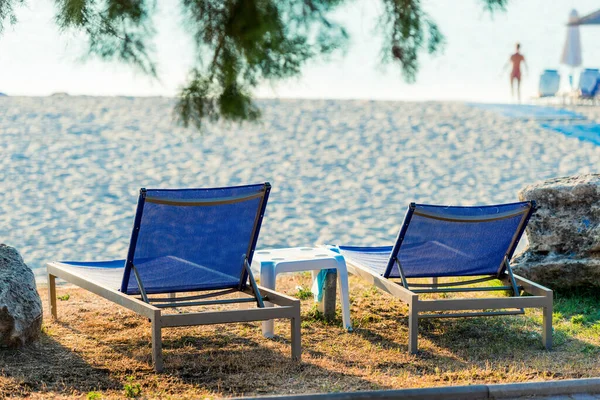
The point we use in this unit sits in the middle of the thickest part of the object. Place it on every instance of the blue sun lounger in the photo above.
(439, 242)
(186, 240)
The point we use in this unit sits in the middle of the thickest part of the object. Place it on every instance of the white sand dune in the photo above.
(342, 171)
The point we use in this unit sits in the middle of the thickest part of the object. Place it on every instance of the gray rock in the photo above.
(559, 271)
(20, 303)
(564, 233)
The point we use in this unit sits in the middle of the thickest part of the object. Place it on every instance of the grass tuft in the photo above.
(93, 396)
(303, 292)
(132, 389)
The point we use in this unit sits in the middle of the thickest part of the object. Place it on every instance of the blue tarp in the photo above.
(586, 133)
(529, 112)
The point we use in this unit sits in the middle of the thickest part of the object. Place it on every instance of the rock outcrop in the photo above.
(20, 303)
(564, 233)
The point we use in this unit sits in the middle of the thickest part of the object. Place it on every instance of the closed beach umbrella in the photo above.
(571, 55)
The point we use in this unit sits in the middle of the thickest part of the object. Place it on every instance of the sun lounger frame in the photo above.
(538, 295)
(287, 307)
(152, 307)
(541, 297)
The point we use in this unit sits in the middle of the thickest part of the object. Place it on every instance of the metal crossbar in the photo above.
(204, 303)
(472, 314)
(205, 202)
(196, 297)
(459, 290)
(461, 283)
(469, 218)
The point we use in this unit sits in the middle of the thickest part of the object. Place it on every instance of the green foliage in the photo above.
(493, 5)
(7, 11)
(94, 396)
(132, 389)
(407, 29)
(313, 315)
(240, 43)
(116, 29)
(303, 293)
(64, 297)
(248, 41)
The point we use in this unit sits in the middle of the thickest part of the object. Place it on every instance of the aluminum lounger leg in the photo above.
(539, 290)
(296, 339)
(52, 295)
(413, 328)
(547, 325)
(157, 342)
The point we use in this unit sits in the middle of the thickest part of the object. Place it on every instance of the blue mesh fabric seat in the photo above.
(193, 239)
(442, 241)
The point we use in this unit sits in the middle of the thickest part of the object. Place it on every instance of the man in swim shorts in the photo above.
(515, 74)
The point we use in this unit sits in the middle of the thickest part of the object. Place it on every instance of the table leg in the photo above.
(344, 292)
(267, 279)
(329, 295)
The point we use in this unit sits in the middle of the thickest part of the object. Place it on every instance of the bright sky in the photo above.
(36, 59)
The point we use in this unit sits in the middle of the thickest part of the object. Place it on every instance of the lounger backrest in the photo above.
(437, 241)
(194, 239)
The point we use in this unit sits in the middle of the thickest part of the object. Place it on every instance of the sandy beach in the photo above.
(342, 171)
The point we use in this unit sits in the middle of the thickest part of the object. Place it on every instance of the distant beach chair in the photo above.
(440, 242)
(549, 84)
(588, 88)
(187, 240)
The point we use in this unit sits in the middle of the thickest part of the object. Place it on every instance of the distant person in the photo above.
(515, 74)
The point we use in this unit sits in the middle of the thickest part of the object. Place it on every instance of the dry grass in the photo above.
(99, 350)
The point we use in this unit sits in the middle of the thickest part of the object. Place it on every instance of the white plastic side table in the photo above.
(271, 262)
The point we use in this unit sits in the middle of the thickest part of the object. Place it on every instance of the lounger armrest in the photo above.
(113, 295)
(382, 283)
(277, 297)
(532, 287)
